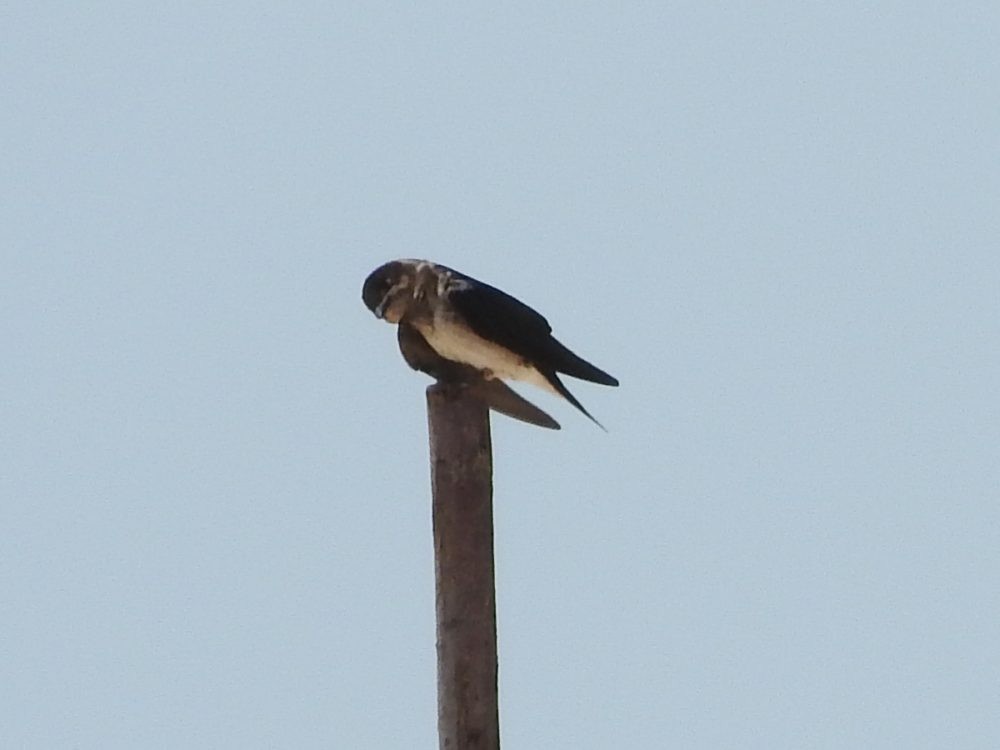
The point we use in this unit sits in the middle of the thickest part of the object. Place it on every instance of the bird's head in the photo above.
(388, 290)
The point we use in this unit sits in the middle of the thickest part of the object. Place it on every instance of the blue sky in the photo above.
(777, 226)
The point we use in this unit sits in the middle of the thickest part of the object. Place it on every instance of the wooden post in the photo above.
(462, 482)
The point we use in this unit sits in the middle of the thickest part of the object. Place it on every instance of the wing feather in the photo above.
(498, 317)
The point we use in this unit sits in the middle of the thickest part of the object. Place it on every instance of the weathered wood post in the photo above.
(462, 485)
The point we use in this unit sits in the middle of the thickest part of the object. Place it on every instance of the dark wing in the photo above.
(495, 315)
(502, 398)
(495, 393)
(504, 320)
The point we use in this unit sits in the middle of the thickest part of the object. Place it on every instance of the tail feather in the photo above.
(575, 366)
(564, 392)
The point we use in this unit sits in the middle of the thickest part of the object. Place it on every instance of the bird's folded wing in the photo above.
(502, 398)
(494, 393)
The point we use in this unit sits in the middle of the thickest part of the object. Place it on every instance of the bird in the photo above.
(459, 329)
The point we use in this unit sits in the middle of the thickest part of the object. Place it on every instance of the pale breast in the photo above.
(456, 342)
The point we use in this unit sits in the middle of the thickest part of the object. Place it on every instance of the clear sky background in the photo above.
(778, 226)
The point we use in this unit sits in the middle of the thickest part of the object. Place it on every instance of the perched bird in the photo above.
(458, 329)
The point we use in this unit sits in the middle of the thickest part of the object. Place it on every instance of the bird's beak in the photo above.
(380, 309)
